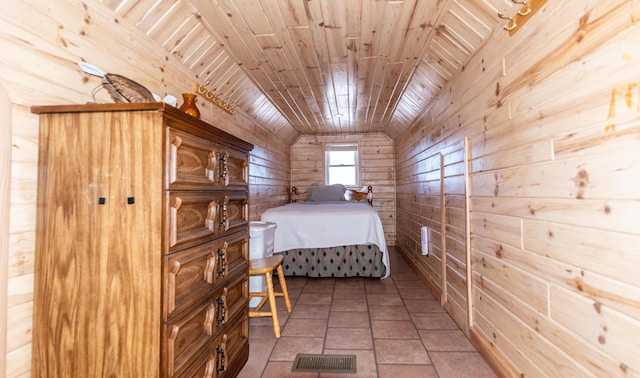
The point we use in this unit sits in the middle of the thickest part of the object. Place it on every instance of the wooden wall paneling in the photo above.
(601, 364)
(580, 245)
(467, 233)
(456, 304)
(513, 336)
(547, 121)
(614, 333)
(5, 205)
(443, 234)
(549, 111)
(454, 222)
(585, 96)
(588, 177)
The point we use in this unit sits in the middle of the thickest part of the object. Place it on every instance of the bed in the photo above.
(330, 231)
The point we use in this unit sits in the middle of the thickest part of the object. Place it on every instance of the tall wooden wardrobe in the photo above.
(141, 266)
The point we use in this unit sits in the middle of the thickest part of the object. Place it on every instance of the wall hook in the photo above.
(512, 23)
(527, 11)
(504, 16)
(523, 2)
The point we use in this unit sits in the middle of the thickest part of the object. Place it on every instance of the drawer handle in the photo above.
(222, 261)
(223, 173)
(221, 303)
(220, 354)
(224, 216)
(208, 320)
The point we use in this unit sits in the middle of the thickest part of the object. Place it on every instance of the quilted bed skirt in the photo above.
(345, 261)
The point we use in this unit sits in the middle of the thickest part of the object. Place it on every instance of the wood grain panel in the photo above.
(530, 115)
(613, 333)
(5, 205)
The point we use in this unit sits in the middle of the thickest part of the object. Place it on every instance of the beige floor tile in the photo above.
(423, 306)
(415, 293)
(350, 283)
(349, 319)
(384, 299)
(310, 311)
(410, 284)
(406, 371)
(349, 293)
(349, 338)
(378, 312)
(349, 305)
(432, 320)
(461, 365)
(314, 298)
(259, 331)
(382, 288)
(319, 285)
(445, 340)
(286, 348)
(394, 329)
(305, 328)
(405, 352)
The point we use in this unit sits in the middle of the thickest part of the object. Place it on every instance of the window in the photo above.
(341, 162)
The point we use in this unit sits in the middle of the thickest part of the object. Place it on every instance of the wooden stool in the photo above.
(266, 266)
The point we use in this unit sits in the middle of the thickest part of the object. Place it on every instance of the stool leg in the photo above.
(272, 304)
(283, 286)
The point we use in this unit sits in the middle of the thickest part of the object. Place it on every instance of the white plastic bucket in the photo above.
(261, 236)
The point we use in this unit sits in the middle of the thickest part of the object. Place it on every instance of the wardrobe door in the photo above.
(98, 246)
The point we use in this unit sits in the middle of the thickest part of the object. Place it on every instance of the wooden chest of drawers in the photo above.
(142, 244)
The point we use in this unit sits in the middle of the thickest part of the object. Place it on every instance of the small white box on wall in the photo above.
(424, 237)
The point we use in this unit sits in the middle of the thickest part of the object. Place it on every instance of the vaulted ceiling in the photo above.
(321, 66)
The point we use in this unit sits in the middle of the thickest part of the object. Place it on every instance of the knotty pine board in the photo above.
(538, 141)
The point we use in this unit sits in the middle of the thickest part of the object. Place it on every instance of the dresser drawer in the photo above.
(234, 169)
(184, 336)
(195, 217)
(234, 346)
(233, 299)
(191, 274)
(232, 255)
(197, 163)
(217, 358)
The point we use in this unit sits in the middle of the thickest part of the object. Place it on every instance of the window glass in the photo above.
(341, 164)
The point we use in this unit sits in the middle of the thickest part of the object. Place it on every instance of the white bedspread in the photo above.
(324, 225)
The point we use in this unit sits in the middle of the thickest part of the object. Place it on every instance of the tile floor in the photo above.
(395, 327)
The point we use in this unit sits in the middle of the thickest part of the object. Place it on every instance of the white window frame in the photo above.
(328, 147)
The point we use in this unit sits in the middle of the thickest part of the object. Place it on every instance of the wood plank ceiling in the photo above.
(321, 66)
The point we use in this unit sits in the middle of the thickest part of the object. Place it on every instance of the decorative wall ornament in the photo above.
(528, 9)
(212, 97)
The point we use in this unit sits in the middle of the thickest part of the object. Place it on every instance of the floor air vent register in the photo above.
(324, 363)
